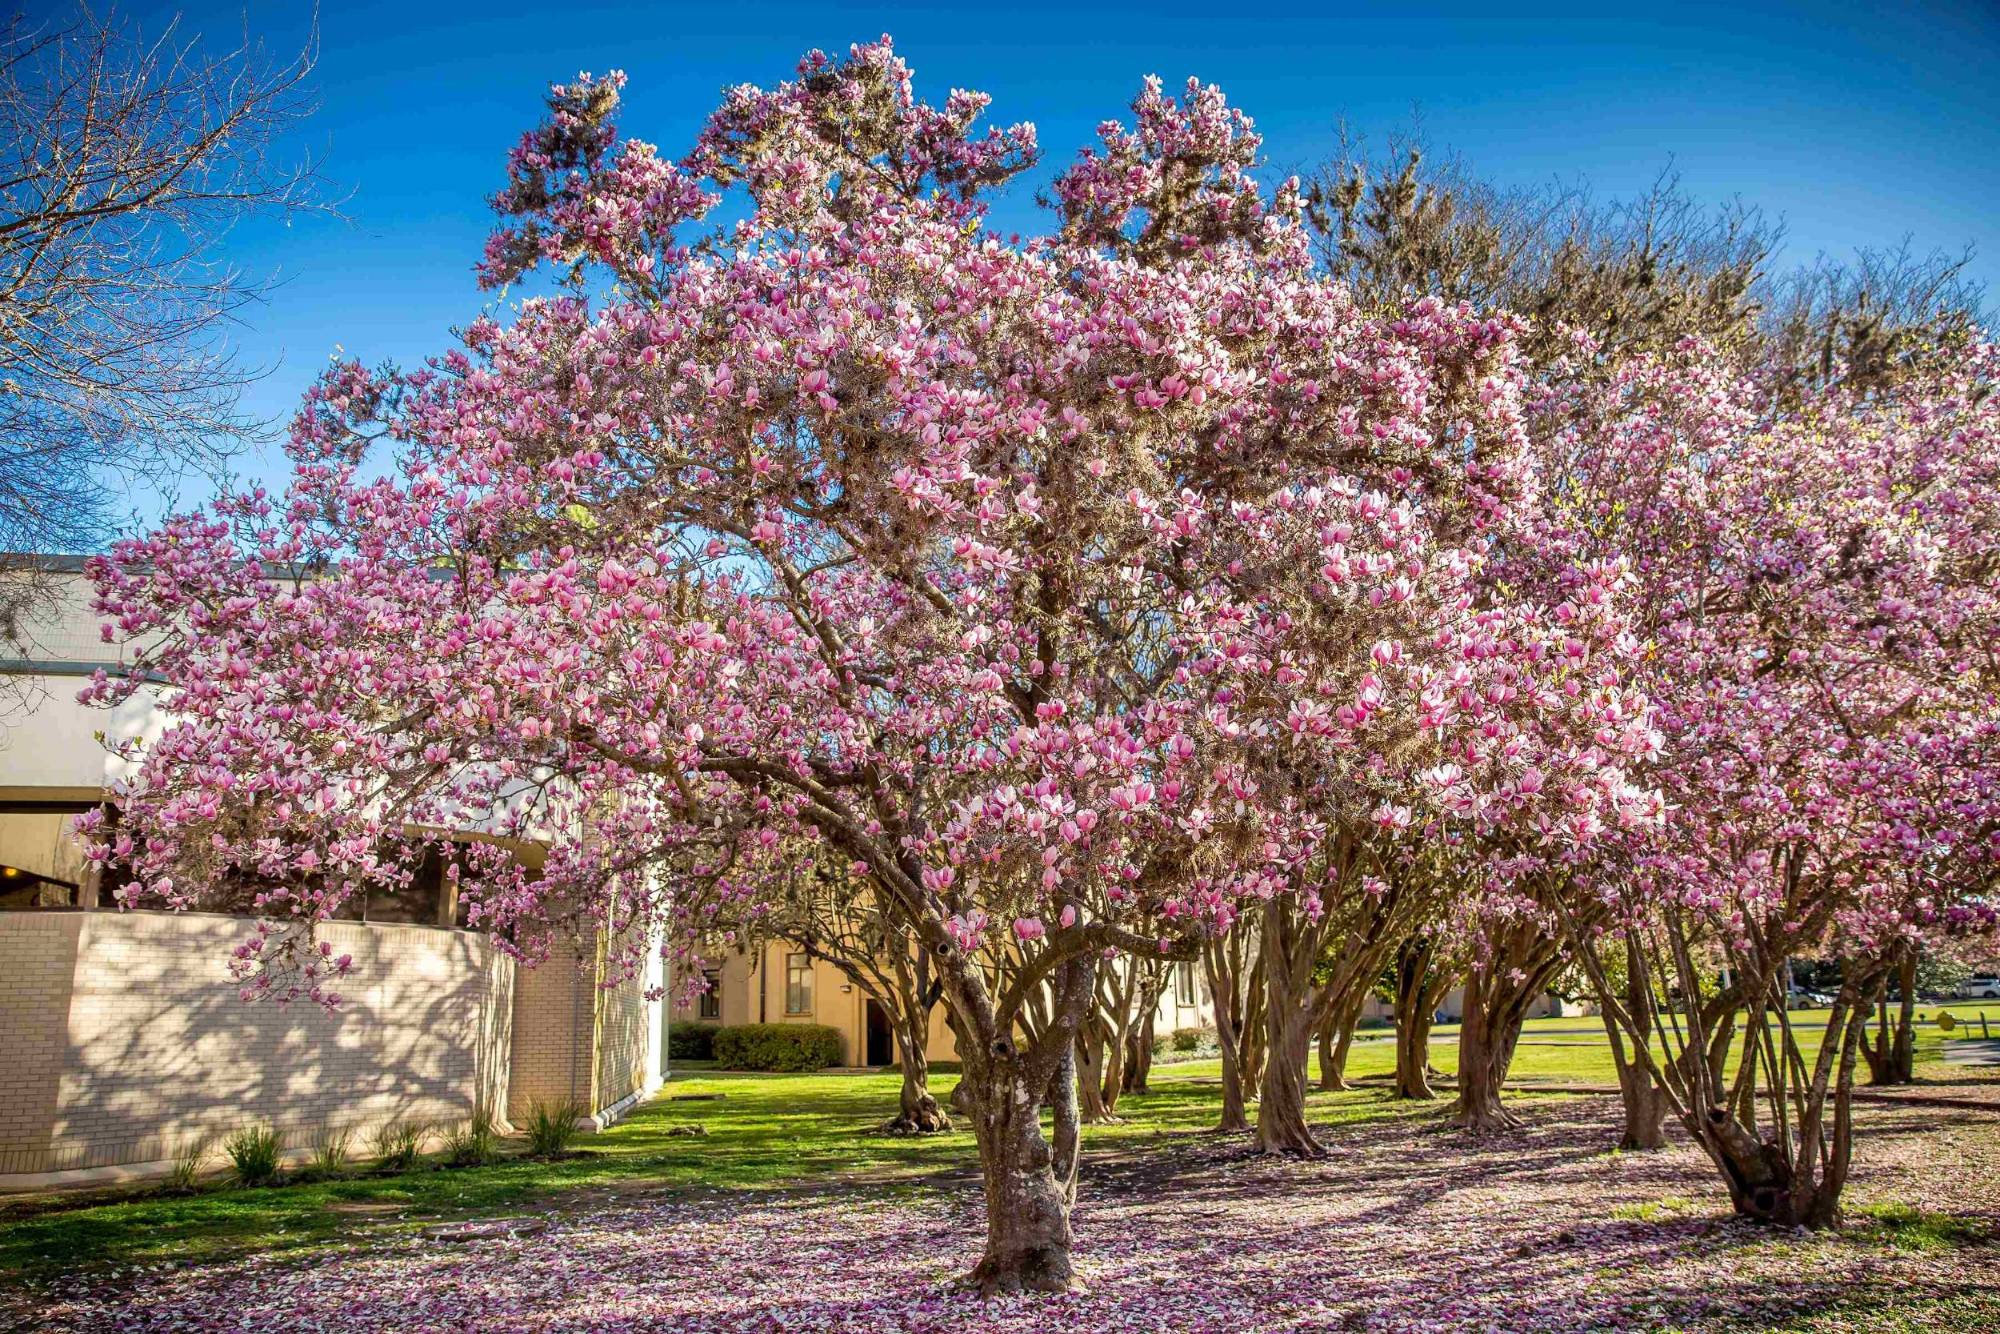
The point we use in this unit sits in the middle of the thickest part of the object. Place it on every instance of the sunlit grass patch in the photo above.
(1655, 1211)
(1909, 1228)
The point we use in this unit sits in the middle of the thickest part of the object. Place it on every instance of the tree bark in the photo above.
(1892, 1055)
(1289, 947)
(1486, 1036)
(919, 1112)
(1336, 1035)
(1646, 1108)
(1139, 1056)
(1413, 1058)
(1089, 1061)
(1027, 1207)
(1235, 996)
(1281, 1106)
(1481, 1070)
(1419, 987)
(1030, 1183)
(1331, 1076)
(1646, 1103)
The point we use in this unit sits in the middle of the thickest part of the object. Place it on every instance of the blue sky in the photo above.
(1856, 125)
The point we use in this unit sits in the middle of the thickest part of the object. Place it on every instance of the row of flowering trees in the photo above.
(1097, 600)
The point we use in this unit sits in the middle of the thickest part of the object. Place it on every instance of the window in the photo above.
(710, 1005)
(798, 984)
(1184, 984)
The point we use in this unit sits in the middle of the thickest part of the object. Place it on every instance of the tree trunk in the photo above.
(1646, 1103)
(1485, 1050)
(1225, 979)
(1646, 1108)
(919, 1113)
(1330, 1065)
(1281, 1107)
(1234, 1115)
(1090, 1046)
(1030, 1183)
(1892, 1055)
(1113, 1075)
(1418, 987)
(1413, 1057)
(1027, 1206)
(1139, 1057)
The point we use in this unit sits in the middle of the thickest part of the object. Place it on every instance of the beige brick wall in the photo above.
(558, 1007)
(126, 1040)
(553, 1022)
(37, 963)
(621, 1050)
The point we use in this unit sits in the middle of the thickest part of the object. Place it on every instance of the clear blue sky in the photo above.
(1855, 125)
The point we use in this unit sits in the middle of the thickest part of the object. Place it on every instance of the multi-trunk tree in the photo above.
(833, 915)
(1088, 597)
(1821, 593)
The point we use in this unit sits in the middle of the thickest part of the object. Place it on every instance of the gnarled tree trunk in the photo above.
(1027, 1206)
(1336, 1041)
(1139, 1054)
(1646, 1103)
(1892, 1054)
(918, 1112)
(1281, 1106)
(1030, 1182)
(1524, 955)
(1484, 1052)
(1090, 1049)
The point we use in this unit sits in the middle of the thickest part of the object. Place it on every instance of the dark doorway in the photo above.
(881, 1044)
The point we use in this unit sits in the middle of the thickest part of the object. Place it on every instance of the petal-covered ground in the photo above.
(1404, 1228)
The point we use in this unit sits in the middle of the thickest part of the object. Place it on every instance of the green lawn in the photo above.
(761, 1132)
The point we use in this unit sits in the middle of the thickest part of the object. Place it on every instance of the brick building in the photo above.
(122, 1040)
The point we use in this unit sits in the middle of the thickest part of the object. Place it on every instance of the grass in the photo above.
(1907, 1228)
(1654, 1211)
(761, 1132)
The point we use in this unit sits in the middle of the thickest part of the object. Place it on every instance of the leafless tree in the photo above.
(125, 160)
(1636, 274)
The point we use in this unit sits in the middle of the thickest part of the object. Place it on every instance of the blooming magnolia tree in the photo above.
(1075, 593)
(1822, 589)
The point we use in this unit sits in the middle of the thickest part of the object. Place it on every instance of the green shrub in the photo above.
(691, 1042)
(254, 1152)
(185, 1174)
(790, 1047)
(473, 1144)
(398, 1143)
(552, 1126)
(329, 1154)
(1185, 1044)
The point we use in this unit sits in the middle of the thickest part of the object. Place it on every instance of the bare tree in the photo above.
(125, 160)
(1637, 275)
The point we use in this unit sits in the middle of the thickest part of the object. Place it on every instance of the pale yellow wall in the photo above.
(155, 1050)
(753, 991)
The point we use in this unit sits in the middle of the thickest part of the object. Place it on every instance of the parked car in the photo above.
(1980, 986)
(1799, 998)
